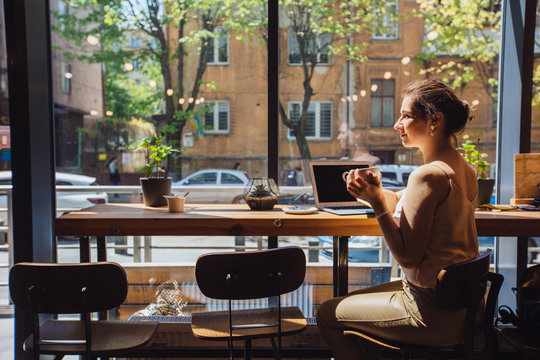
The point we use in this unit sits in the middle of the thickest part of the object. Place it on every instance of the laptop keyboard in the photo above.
(346, 207)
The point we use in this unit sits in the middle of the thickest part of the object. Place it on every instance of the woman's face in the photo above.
(412, 126)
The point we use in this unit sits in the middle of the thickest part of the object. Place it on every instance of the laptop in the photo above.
(330, 191)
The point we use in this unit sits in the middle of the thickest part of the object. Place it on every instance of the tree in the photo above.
(321, 29)
(154, 21)
(468, 34)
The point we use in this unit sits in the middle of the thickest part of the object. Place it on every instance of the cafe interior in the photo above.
(95, 287)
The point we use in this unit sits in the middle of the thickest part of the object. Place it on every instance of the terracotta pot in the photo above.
(153, 190)
(485, 190)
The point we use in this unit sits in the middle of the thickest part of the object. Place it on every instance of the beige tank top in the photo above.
(453, 238)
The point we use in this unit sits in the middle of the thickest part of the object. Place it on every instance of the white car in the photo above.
(399, 173)
(65, 200)
(222, 186)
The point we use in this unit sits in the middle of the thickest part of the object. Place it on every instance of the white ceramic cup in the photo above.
(363, 173)
(176, 203)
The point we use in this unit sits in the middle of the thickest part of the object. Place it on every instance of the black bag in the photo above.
(528, 302)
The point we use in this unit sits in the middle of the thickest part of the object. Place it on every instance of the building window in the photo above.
(216, 120)
(385, 26)
(134, 42)
(219, 48)
(382, 103)
(65, 73)
(319, 46)
(319, 122)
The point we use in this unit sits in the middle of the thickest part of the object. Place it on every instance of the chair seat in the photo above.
(215, 325)
(106, 336)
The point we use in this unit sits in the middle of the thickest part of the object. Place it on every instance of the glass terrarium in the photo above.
(261, 194)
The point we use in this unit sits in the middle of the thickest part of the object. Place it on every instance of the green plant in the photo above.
(156, 153)
(260, 191)
(470, 153)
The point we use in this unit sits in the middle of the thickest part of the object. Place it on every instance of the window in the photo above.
(319, 123)
(134, 42)
(385, 26)
(65, 72)
(209, 178)
(382, 103)
(216, 120)
(230, 179)
(320, 47)
(219, 48)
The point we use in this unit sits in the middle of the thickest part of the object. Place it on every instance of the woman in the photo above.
(427, 227)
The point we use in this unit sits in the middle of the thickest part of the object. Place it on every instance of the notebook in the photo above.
(330, 191)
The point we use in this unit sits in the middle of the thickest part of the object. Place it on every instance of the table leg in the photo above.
(101, 248)
(341, 265)
(84, 249)
(522, 255)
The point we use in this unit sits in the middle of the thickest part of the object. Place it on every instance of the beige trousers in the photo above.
(398, 311)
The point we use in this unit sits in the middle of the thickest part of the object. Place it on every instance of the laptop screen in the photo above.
(329, 189)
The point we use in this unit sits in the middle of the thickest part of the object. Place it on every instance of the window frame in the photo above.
(390, 23)
(381, 124)
(317, 104)
(214, 105)
(218, 31)
(292, 42)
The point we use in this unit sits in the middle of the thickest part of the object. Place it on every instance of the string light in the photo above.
(152, 83)
(202, 99)
(68, 75)
(432, 35)
(92, 40)
(170, 92)
(190, 100)
(128, 66)
(181, 101)
(355, 97)
(374, 87)
(405, 60)
(387, 75)
(475, 102)
(93, 112)
(363, 93)
(109, 113)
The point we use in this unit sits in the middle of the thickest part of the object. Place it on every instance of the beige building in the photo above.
(354, 104)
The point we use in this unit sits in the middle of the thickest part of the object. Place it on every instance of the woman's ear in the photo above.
(437, 117)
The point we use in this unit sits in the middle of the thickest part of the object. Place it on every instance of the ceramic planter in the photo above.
(153, 190)
(485, 189)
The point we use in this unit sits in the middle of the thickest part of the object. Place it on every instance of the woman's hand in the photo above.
(365, 185)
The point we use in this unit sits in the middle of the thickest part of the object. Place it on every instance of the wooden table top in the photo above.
(237, 219)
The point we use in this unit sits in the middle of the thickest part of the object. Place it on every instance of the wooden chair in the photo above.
(250, 275)
(459, 286)
(75, 289)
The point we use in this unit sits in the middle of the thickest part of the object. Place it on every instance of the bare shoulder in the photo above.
(429, 173)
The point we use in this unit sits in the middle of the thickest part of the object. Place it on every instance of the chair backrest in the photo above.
(57, 287)
(459, 285)
(251, 274)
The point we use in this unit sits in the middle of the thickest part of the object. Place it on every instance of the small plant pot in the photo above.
(485, 190)
(261, 194)
(153, 190)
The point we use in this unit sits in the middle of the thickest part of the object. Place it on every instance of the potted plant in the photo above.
(475, 158)
(155, 184)
(261, 194)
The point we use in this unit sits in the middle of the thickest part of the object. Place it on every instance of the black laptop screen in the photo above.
(330, 185)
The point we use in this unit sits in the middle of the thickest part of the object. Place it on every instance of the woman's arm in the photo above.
(407, 237)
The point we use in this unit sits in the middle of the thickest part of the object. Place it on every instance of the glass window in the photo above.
(219, 48)
(65, 73)
(382, 103)
(320, 45)
(216, 120)
(319, 119)
(207, 178)
(134, 42)
(227, 178)
(385, 25)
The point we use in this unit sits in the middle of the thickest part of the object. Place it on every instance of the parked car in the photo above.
(65, 200)
(355, 255)
(399, 173)
(225, 186)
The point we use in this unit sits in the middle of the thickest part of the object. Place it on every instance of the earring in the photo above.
(432, 128)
